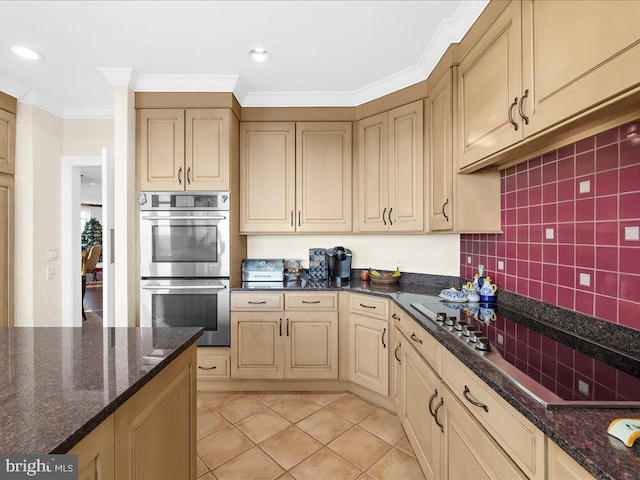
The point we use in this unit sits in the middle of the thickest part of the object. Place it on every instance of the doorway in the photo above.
(87, 193)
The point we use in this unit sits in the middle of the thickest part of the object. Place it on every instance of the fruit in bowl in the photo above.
(387, 278)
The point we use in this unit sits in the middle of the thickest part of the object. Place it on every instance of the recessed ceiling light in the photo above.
(92, 183)
(26, 52)
(259, 55)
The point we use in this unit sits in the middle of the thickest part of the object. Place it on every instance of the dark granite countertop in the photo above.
(581, 432)
(58, 384)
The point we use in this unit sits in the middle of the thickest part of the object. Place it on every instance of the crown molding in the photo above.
(119, 77)
(186, 83)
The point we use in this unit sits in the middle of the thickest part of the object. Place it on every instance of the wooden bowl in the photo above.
(384, 279)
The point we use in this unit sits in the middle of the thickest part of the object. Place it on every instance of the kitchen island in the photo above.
(579, 430)
(77, 390)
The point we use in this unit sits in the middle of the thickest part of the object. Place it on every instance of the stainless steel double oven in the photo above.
(185, 262)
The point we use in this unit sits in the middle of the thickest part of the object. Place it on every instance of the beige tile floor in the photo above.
(302, 436)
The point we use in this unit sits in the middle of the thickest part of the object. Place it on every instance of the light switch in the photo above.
(585, 187)
(52, 254)
(500, 265)
(549, 233)
(51, 272)
(585, 279)
(631, 233)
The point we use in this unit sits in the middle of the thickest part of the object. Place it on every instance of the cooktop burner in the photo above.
(535, 358)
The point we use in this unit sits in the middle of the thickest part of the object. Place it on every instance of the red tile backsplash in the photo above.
(586, 196)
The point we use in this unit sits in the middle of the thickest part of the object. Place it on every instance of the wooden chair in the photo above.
(89, 263)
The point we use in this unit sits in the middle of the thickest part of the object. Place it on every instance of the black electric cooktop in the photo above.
(556, 368)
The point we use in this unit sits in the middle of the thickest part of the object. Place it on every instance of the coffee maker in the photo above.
(339, 263)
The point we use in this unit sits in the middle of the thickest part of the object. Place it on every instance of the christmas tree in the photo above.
(92, 235)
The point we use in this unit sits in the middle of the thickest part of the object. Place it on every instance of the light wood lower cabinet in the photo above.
(152, 435)
(299, 342)
(213, 363)
(397, 373)
(96, 455)
(6, 250)
(369, 353)
(560, 466)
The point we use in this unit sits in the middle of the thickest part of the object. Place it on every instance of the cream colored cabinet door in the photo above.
(397, 373)
(369, 353)
(311, 345)
(155, 430)
(422, 389)
(489, 87)
(323, 177)
(439, 134)
(257, 345)
(576, 55)
(560, 466)
(373, 173)
(6, 250)
(469, 452)
(96, 455)
(7, 142)
(267, 177)
(207, 149)
(160, 150)
(406, 163)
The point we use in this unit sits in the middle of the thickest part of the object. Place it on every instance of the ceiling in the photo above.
(323, 52)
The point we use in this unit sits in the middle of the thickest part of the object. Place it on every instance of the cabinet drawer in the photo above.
(370, 306)
(424, 343)
(211, 364)
(398, 316)
(311, 301)
(247, 302)
(516, 435)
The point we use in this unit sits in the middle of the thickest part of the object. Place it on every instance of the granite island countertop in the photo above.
(58, 384)
(581, 432)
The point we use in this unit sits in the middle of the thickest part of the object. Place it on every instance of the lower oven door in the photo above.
(188, 303)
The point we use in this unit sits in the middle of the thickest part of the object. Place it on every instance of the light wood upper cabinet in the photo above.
(295, 177)
(183, 149)
(323, 176)
(6, 250)
(576, 55)
(7, 142)
(456, 202)
(311, 345)
(489, 85)
(267, 177)
(390, 171)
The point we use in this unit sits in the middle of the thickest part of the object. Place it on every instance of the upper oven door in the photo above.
(184, 244)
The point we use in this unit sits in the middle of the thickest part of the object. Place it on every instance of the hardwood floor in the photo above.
(93, 297)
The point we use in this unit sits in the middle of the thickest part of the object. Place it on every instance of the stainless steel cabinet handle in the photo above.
(384, 332)
(207, 368)
(510, 114)
(435, 414)
(446, 202)
(263, 302)
(306, 301)
(185, 287)
(280, 326)
(195, 219)
(383, 213)
(416, 339)
(395, 353)
(366, 306)
(189, 175)
(287, 327)
(524, 117)
(180, 175)
(433, 397)
(473, 402)
(390, 221)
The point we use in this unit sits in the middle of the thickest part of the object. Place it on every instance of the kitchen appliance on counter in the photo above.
(555, 368)
(262, 272)
(185, 262)
(339, 263)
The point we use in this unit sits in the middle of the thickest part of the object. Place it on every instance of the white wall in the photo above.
(86, 137)
(435, 254)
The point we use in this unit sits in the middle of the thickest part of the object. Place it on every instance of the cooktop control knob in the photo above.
(441, 316)
(459, 325)
(466, 330)
(451, 321)
(474, 335)
(483, 344)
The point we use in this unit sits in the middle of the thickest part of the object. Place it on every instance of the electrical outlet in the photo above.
(500, 265)
(468, 260)
(52, 254)
(50, 272)
(585, 279)
(500, 339)
(583, 387)
(631, 233)
(549, 233)
(585, 187)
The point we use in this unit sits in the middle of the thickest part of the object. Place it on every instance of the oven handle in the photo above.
(157, 217)
(185, 287)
